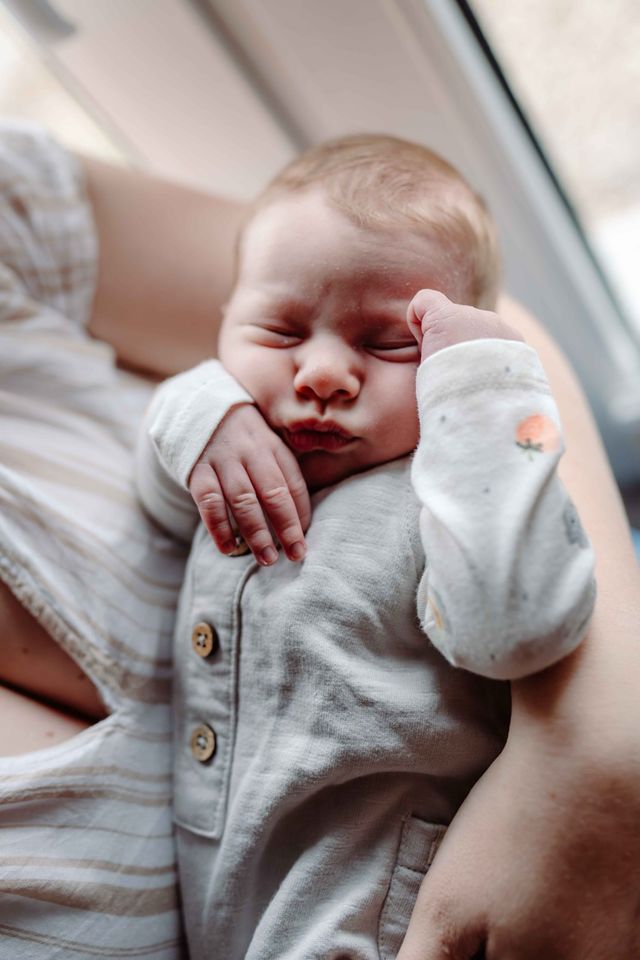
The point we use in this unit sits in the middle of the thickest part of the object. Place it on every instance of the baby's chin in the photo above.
(322, 469)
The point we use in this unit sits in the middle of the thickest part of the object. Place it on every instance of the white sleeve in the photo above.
(183, 414)
(508, 587)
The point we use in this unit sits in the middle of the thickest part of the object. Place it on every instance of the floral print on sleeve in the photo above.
(537, 434)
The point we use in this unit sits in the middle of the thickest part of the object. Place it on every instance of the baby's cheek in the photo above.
(403, 429)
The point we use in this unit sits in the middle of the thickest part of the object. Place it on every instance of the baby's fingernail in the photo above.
(268, 556)
(297, 551)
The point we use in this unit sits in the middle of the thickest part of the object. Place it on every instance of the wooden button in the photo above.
(240, 550)
(203, 743)
(204, 639)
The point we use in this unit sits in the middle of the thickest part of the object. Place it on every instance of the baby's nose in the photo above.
(327, 376)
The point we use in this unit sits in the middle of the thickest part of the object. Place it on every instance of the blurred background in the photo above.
(536, 102)
(575, 69)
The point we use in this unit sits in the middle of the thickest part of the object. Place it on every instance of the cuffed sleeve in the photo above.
(508, 587)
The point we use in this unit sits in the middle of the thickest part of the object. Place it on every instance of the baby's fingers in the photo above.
(231, 489)
(296, 483)
(429, 302)
(207, 494)
(285, 500)
(244, 502)
(444, 323)
(414, 319)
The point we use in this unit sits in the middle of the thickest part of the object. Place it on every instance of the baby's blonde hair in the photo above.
(382, 182)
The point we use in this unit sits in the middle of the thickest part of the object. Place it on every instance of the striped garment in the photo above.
(87, 864)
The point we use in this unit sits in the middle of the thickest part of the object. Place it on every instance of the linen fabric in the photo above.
(345, 741)
(87, 861)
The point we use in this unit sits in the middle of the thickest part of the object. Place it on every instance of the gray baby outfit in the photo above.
(322, 740)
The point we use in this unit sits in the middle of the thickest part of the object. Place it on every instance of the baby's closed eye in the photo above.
(277, 335)
(397, 351)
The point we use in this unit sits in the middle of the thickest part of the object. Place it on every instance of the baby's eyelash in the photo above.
(394, 352)
(285, 334)
(389, 347)
(277, 336)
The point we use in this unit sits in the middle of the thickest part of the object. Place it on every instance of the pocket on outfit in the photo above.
(419, 842)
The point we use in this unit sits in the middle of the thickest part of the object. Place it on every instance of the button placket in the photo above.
(204, 640)
(205, 684)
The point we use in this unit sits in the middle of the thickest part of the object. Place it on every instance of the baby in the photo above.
(324, 737)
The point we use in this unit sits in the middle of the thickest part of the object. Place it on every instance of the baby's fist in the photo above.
(436, 322)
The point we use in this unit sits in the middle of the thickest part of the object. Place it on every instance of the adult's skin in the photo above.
(165, 268)
(543, 858)
(542, 861)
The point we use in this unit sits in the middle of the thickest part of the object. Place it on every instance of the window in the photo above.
(575, 70)
(220, 93)
(30, 89)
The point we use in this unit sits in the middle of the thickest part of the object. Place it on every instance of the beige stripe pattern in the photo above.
(87, 860)
(60, 946)
(98, 897)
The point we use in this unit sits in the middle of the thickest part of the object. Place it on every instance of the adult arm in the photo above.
(32, 662)
(166, 264)
(165, 267)
(543, 858)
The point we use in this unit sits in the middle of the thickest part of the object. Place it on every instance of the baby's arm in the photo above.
(205, 448)
(508, 588)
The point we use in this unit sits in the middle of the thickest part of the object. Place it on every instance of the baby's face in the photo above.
(315, 330)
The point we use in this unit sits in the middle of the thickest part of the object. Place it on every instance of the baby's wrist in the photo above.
(187, 410)
(433, 341)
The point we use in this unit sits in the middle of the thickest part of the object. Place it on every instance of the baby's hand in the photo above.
(436, 322)
(247, 470)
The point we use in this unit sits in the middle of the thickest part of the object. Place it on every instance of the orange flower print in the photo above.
(438, 612)
(437, 616)
(537, 434)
